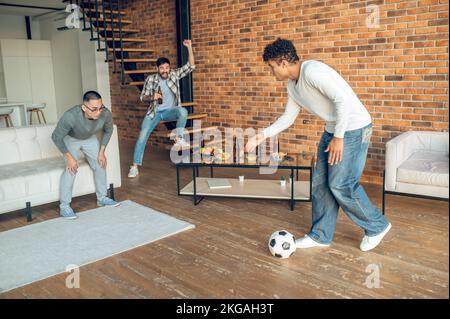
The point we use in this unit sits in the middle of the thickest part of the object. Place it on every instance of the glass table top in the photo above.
(290, 160)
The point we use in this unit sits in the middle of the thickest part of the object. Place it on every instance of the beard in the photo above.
(164, 75)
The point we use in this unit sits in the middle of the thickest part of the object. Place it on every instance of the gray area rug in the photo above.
(41, 250)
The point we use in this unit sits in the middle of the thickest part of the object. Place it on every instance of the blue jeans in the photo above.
(337, 185)
(90, 148)
(148, 125)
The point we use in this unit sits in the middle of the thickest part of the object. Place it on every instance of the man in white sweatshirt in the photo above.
(342, 150)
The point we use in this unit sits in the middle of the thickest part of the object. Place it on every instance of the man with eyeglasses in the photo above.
(75, 131)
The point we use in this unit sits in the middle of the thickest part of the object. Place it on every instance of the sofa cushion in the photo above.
(27, 144)
(37, 177)
(31, 167)
(425, 168)
(9, 147)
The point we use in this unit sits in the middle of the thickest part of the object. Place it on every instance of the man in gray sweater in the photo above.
(75, 131)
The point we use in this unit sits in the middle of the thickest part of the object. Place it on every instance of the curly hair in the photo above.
(280, 49)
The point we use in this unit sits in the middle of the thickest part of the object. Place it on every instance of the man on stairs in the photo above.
(162, 91)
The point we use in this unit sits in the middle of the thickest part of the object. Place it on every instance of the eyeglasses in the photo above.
(95, 109)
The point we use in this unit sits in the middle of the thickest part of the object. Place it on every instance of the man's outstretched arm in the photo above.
(282, 123)
(190, 66)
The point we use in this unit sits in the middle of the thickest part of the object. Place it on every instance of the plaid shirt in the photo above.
(152, 82)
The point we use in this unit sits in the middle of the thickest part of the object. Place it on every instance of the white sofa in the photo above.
(31, 167)
(417, 164)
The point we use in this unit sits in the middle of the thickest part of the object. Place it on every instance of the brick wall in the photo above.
(399, 69)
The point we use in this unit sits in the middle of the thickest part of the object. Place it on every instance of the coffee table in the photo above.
(269, 188)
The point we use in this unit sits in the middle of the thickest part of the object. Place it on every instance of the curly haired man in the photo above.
(342, 150)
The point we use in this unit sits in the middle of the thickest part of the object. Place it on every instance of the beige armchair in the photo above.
(417, 165)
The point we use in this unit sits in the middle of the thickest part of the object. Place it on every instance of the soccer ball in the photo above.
(282, 244)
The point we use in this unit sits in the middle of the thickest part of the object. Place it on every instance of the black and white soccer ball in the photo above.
(282, 244)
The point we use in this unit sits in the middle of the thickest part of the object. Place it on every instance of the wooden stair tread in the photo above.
(125, 39)
(109, 29)
(137, 60)
(109, 20)
(188, 103)
(90, 1)
(132, 49)
(189, 130)
(192, 116)
(134, 83)
(139, 71)
(107, 11)
(85, 1)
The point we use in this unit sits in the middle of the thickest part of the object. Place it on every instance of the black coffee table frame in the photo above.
(196, 172)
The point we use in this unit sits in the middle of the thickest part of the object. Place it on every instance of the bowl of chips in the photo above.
(278, 156)
(251, 158)
(224, 156)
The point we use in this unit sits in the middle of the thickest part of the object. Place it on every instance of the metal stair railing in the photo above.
(105, 35)
(121, 44)
(112, 36)
(97, 24)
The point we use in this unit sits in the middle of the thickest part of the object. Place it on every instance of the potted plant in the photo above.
(283, 181)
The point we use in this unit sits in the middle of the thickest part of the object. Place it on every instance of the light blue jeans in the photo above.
(335, 186)
(90, 148)
(179, 114)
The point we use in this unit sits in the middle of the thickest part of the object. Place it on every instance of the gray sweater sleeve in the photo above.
(107, 129)
(62, 130)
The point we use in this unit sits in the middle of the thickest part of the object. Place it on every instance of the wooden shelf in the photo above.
(250, 188)
(125, 40)
(132, 50)
(192, 116)
(116, 29)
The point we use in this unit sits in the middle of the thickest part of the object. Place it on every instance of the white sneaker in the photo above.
(181, 142)
(370, 242)
(308, 242)
(133, 172)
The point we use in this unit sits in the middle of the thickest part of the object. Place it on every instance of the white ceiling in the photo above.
(9, 10)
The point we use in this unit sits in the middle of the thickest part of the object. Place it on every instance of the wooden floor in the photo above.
(226, 255)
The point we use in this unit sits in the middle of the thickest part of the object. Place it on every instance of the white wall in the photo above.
(2, 78)
(66, 65)
(94, 69)
(13, 27)
(77, 66)
(28, 70)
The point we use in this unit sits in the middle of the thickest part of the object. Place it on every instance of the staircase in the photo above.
(115, 35)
